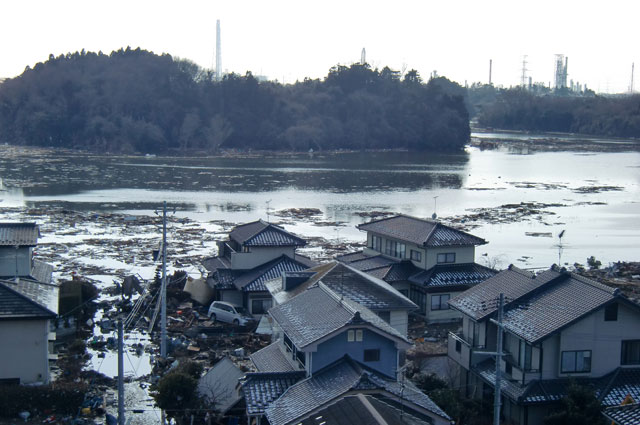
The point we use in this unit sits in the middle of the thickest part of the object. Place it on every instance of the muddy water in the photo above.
(516, 197)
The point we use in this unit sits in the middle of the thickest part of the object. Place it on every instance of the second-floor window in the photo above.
(440, 302)
(416, 255)
(630, 352)
(372, 355)
(354, 335)
(376, 243)
(575, 361)
(446, 257)
(611, 313)
(395, 249)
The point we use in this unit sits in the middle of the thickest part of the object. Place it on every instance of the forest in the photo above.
(546, 110)
(134, 101)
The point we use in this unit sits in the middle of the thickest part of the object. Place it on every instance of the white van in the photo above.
(225, 312)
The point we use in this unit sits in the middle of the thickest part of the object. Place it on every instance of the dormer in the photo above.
(17, 241)
(255, 243)
(426, 243)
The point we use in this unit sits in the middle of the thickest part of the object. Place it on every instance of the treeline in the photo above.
(519, 109)
(136, 101)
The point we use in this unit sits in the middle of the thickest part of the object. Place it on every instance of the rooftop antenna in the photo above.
(268, 209)
(560, 235)
(435, 203)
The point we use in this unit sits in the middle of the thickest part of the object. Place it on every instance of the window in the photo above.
(439, 302)
(630, 352)
(401, 250)
(576, 361)
(288, 343)
(260, 306)
(524, 359)
(372, 355)
(416, 255)
(395, 249)
(385, 315)
(611, 313)
(300, 356)
(418, 296)
(358, 335)
(508, 368)
(458, 345)
(351, 336)
(449, 257)
(376, 243)
(389, 247)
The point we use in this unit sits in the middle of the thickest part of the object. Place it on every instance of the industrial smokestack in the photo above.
(490, 69)
(218, 52)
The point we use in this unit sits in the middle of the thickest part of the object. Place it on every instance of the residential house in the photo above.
(220, 388)
(557, 327)
(425, 260)
(28, 304)
(329, 347)
(254, 253)
(369, 291)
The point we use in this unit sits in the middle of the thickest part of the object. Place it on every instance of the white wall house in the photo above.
(557, 326)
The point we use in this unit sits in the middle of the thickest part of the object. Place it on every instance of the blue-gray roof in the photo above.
(263, 388)
(27, 299)
(253, 280)
(19, 234)
(536, 306)
(428, 233)
(624, 415)
(466, 275)
(334, 381)
(271, 359)
(220, 386)
(261, 233)
(319, 311)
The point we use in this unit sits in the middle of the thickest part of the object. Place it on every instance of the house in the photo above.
(425, 260)
(371, 292)
(254, 253)
(219, 387)
(328, 347)
(558, 327)
(28, 304)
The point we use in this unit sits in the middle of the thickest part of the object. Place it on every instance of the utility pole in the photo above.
(497, 398)
(163, 294)
(120, 373)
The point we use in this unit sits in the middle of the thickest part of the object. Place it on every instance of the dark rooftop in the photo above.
(27, 299)
(271, 359)
(261, 233)
(263, 388)
(441, 275)
(19, 234)
(421, 232)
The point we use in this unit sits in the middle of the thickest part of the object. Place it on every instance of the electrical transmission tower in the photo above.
(363, 57)
(523, 77)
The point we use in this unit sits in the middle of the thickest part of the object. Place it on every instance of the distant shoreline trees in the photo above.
(134, 101)
(589, 114)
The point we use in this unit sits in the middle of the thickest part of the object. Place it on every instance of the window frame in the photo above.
(611, 313)
(262, 302)
(447, 258)
(375, 352)
(376, 243)
(624, 348)
(415, 255)
(575, 361)
(440, 302)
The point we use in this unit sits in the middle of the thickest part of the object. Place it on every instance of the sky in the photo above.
(291, 40)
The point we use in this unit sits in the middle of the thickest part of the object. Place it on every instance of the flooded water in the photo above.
(593, 195)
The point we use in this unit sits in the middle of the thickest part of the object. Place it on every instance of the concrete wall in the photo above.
(399, 320)
(24, 350)
(604, 339)
(12, 259)
(258, 256)
(333, 349)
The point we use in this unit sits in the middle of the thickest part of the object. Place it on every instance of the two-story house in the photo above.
(254, 253)
(557, 326)
(423, 259)
(28, 304)
(371, 292)
(329, 347)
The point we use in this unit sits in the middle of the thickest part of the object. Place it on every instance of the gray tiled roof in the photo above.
(624, 415)
(261, 233)
(622, 382)
(453, 275)
(220, 386)
(261, 389)
(332, 382)
(271, 359)
(27, 299)
(20, 234)
(253, 280)
(480, 302)
(319, 311)
(41, 271)
(366, 290)
(368, 262)
(420, 232)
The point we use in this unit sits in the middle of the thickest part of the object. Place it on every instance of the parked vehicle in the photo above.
(225, 312)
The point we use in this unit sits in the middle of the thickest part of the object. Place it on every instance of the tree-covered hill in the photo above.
(137, 101)
(536, 110)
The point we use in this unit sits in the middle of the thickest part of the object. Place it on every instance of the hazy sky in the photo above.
(304, 38)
